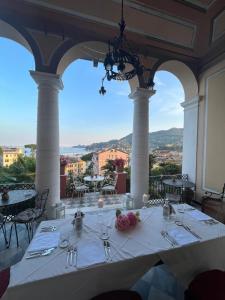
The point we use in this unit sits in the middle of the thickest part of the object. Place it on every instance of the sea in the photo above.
(73, 151)
(67, 151)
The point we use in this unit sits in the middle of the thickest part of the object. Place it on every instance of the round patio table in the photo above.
(184, 187)
(94, 180)
(179, 183)
(18, 201)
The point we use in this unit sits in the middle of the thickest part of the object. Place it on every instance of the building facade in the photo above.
(9, 156)
(76, 168)
(100, 158)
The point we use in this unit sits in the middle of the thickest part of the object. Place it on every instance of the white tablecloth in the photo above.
(133, 252)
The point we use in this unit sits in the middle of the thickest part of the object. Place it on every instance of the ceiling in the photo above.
(190, 30)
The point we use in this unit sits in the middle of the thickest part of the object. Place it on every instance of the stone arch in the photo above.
(22, 37)
(184, 74)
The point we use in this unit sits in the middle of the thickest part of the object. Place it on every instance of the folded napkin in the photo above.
(198, 215)
(90, 252)
(182, 236)
(44, 240)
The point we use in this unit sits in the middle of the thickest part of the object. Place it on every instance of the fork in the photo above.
(168, 238)
(68, 256)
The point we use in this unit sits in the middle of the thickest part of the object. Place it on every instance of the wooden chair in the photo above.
(30, 215)
(209, 285)
(4, 280)
(118, 295)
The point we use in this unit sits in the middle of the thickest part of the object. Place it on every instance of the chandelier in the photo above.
(117, 58)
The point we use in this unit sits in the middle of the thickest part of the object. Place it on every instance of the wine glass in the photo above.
(145, 200)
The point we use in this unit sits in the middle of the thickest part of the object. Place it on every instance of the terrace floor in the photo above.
(158, 283)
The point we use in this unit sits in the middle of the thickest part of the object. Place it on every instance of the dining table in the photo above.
(189, 242)
(18, 201)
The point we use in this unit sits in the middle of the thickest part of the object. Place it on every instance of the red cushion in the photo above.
(4, 280)
(118, 295)
(209, 285)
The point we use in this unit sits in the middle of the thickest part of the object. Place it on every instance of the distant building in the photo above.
(78, 167)
(100, 158)
(9, 156)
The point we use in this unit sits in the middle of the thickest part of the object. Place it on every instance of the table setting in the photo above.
(84, 253)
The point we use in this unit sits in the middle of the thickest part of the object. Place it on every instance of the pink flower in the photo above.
(122, 222)
(132, 218)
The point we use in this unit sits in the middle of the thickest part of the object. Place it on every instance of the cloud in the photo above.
(158, 81)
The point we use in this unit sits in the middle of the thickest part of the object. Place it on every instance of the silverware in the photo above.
(108, 250)
(44, 253)
(74, 256)
(68, 256)
(191, 231)
(211, 222)
(168, 238)
(40, 251)
(48, 229)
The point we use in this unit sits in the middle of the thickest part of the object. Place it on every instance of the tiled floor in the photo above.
(157, 284)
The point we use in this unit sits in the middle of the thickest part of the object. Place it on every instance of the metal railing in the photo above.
(157, 190)
(17, 186)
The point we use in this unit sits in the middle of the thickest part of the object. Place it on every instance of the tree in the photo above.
(109, 167)
(152, 161)
(170, 168)
(87, 157)
(23, 170)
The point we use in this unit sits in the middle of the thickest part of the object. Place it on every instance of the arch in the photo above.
(184, 74)
(91, 50)
(22, 37)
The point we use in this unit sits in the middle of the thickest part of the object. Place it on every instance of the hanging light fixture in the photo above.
(118, 56)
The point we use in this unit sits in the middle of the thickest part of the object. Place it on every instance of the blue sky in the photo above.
(84, 115)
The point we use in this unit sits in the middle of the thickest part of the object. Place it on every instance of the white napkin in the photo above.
(198, 215)
(182, 236)
(90, 252)
(44, 240)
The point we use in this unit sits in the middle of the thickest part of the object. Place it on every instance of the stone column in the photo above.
(47, 156)
(140, 145)
(190, 135)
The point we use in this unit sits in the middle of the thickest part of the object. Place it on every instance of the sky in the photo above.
(85, 116)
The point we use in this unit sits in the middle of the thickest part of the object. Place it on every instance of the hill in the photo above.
(164, 139)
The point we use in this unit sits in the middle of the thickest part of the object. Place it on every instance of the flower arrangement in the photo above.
(125, 222)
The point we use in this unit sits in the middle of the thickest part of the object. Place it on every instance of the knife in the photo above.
(109, 250)
(44, 253)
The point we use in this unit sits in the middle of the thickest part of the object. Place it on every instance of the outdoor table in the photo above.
(94, 180)
(18, 200)
(183, 187)
(133, 253)
(179, 183)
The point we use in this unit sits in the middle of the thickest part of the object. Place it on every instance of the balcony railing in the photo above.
(17, 186)
(157, 190)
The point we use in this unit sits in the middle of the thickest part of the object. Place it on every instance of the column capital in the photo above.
(141, 93)
(47, 79)
(190, 104)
